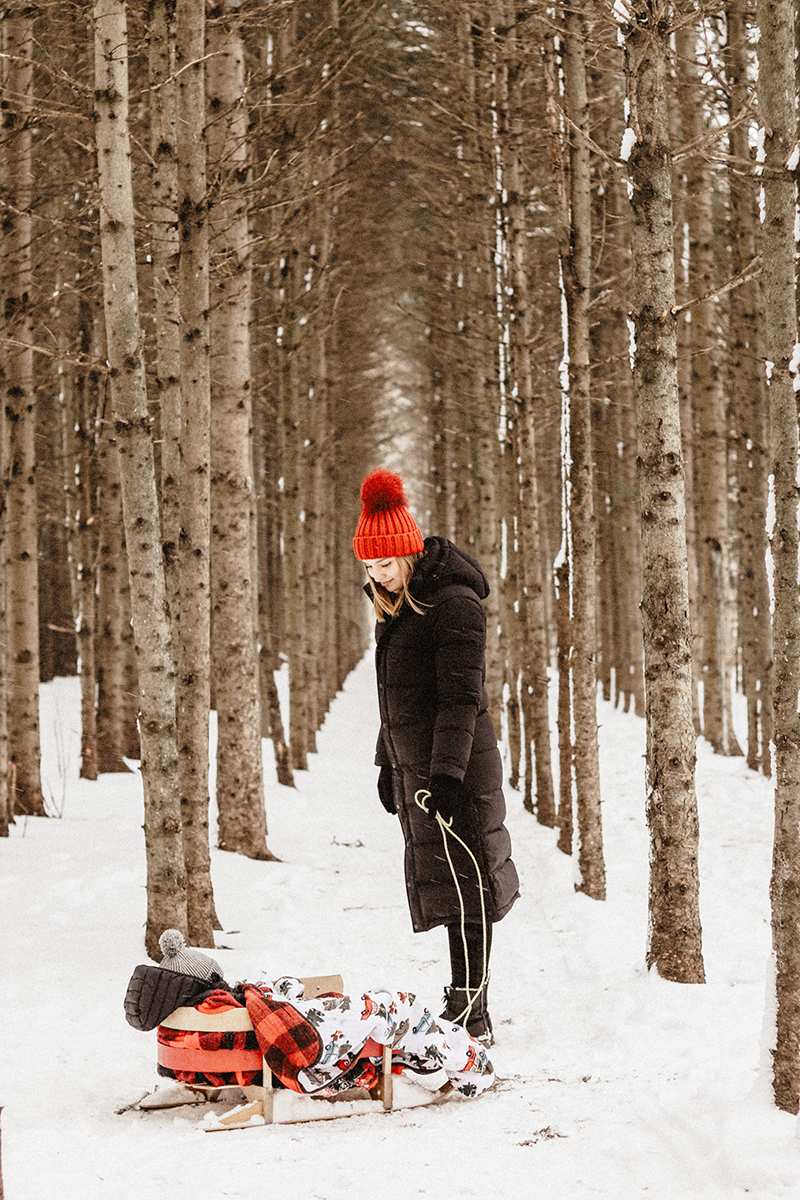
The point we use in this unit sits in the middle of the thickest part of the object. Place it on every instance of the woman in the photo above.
(440, 769)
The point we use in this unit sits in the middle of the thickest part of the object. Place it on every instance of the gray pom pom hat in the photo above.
(179, 957)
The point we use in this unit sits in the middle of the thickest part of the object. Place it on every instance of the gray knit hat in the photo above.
(178, 957)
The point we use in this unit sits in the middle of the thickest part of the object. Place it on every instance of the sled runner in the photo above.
(266, 1104)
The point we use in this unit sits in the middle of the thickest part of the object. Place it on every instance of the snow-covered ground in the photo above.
(611, 1082)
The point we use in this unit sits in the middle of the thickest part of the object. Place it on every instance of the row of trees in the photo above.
(277, 244)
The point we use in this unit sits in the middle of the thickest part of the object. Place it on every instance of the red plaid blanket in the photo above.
(287, 1040)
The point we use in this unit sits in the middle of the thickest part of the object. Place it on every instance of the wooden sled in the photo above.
(265, 1104)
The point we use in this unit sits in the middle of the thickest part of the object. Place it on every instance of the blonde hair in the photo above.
(388, 604)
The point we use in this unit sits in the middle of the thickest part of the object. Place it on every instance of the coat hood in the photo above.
(444, 564)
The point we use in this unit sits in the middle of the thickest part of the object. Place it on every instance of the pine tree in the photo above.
(580, 508)
(19, 414)
(193, 649)
(776, 92)
(166, 880)
(675, 934)
(240, 786)
(750, 410)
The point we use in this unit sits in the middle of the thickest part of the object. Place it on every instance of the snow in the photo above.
(612, 1083)
(628, 142)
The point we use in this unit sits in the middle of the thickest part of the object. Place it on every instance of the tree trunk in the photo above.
(614, 386)
(776, 104)
(487, 519)
(565, 818)
(193, 651)
(533, 685)
(267, 472)
(675, 936)
(710, 421)
(577, 280)
(747, 389)
(80, 420)
(684, 349)
(536, 713)
(113, 613)
(164, 244)
(627, 548)
(292, 461)
(605, 454)
(19, 404)
(240, 784)
(6, 810)
(270, 591)
(562, 563)
(166, 881)
(511, 612)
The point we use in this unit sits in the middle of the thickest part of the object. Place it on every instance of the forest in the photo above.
(538, 259)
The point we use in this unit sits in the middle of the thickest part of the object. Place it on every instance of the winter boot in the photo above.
(474, 1017)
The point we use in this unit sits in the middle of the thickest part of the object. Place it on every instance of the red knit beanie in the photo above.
(386, 528)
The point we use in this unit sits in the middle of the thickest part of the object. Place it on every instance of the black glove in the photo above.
(447, 796)
(386, 789)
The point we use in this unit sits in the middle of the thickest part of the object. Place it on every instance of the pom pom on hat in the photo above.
(179, 957)
(386, 529)
(171, 942)
(381, 491)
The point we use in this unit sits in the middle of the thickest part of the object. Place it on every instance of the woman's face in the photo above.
(387, 572)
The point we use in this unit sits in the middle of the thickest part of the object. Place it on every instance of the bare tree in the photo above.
(675, 946)
(166, 880)
(19, 414)
(776, 103)
(81, 430)
(533, 683)
(710, 423)
(164, 249)
(580, 494)
(6, 811)
(240, 786)
(193, 649)
(112, 608)
(750, 409)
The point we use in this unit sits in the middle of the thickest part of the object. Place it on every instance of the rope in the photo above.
(420, 798)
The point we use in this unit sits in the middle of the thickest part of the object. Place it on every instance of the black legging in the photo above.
(474, 936)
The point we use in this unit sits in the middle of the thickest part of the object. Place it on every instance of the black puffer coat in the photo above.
(434, 721)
